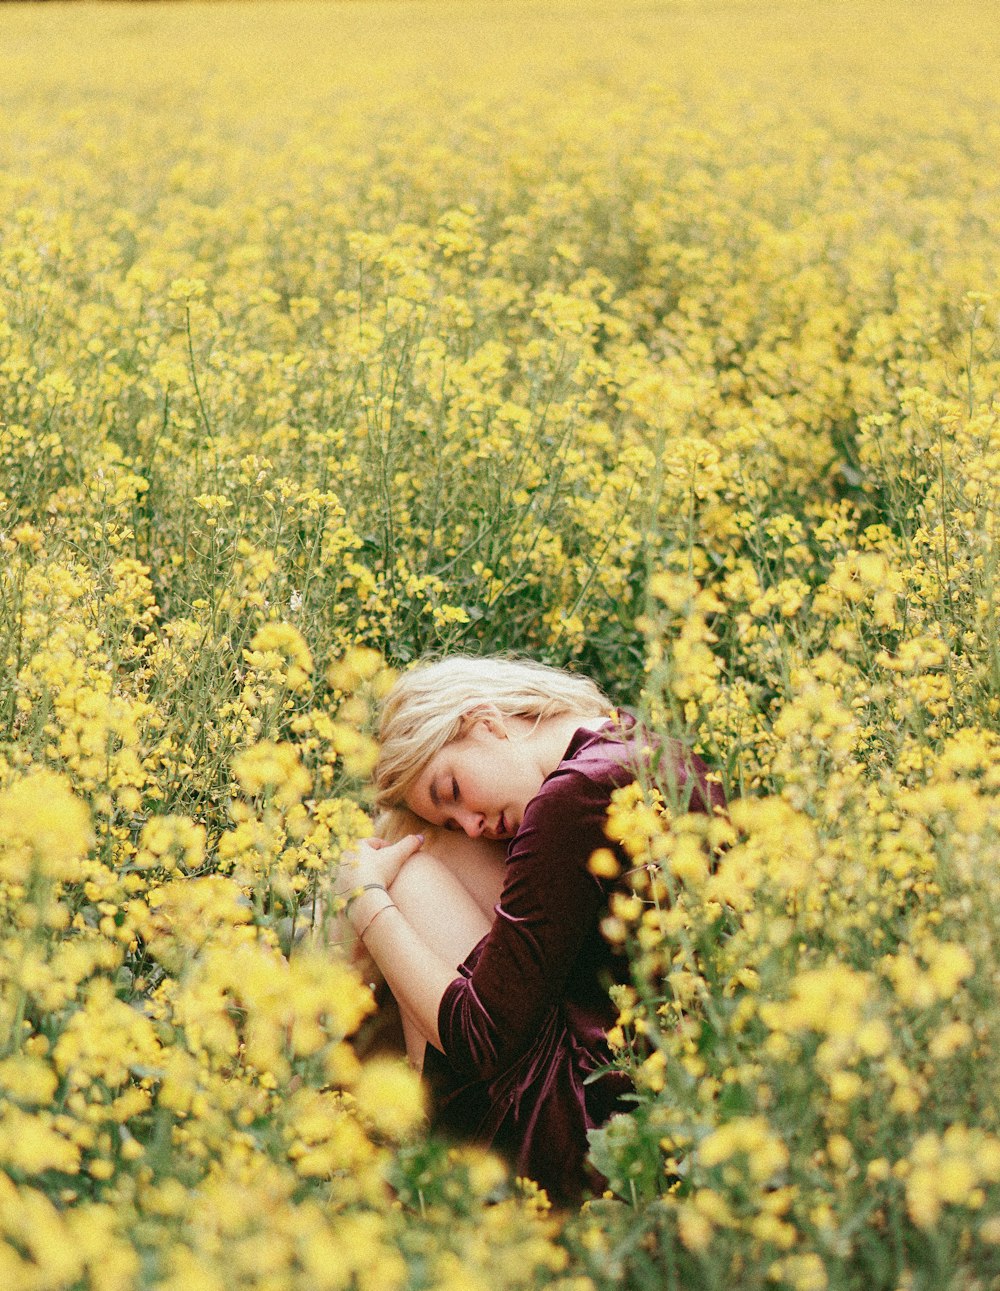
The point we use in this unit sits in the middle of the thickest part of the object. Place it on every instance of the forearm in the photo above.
(416, 976)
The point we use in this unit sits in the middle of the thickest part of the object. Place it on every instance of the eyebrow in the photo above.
(434, 795)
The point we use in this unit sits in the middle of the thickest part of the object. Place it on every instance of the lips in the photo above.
(503, 829)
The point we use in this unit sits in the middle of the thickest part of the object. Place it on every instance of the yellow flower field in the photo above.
(657, 338)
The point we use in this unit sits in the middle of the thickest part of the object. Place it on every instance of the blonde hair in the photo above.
(428, 705)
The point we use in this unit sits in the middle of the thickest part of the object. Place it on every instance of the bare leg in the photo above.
(447, 896)
(477, 863)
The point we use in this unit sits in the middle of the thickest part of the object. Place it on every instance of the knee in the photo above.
(457, 850)
(421, 872)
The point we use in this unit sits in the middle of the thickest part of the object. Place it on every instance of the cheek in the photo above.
(528, 785)
(505, 782)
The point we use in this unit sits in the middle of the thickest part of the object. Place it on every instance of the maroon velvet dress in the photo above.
(525, 1023)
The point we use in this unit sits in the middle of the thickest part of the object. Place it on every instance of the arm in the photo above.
(549, 908)
(417, 931)
(415, 975)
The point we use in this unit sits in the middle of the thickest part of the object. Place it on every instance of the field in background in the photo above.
(658, 339)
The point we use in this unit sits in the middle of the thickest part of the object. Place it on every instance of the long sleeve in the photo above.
(549, 906)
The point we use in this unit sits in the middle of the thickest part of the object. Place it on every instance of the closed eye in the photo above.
(453, 824)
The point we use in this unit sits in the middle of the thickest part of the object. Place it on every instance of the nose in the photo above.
(471, 822)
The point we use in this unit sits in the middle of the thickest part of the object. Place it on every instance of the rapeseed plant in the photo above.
(661, 342)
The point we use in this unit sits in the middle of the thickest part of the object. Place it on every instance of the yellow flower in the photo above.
(30, 1143)
(390, 1098)
(805, 1272)
(952, 1037)
(874, 1038)
(948, 964)
(845, 1086)
(604, 864)
(42, 824)
(989, 1230)
(272, 769)
(748, 1136)
(187, 289)
(360, 664)
(286, 646)
(28, 1080)
(171, 841)
(694, 1228)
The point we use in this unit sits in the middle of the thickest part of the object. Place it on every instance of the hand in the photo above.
(374, 861)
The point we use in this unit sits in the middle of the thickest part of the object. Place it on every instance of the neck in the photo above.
(548, 739)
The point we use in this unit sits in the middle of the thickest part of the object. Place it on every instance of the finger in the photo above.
(375, 843)
(411, 843)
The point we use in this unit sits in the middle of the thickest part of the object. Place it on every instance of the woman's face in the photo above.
(480, 783)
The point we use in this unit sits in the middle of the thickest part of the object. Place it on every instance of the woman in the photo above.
(498, 966)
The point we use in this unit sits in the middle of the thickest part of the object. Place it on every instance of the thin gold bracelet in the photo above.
(391, 905)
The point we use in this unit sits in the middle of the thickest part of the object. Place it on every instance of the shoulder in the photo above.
(625, 750)
(563, 825)
(595, 764)
(612, 755)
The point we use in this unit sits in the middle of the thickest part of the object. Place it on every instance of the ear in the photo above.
(483, 719)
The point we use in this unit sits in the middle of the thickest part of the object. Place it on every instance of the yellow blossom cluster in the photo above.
(658, 339)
